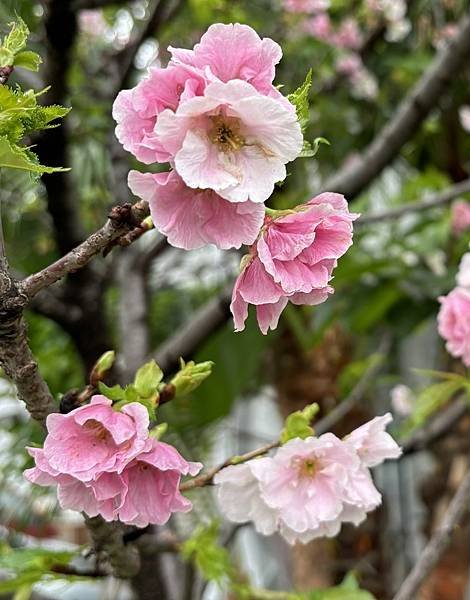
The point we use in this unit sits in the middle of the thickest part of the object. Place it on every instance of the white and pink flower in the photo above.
(309, 487)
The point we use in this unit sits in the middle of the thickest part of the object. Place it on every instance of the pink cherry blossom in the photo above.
(293, 260)
(305, 6)
(232, 140)
(348, 35)
(95, 438)
(319, 27)
(460, 217)
(372, 443)
(349, 64)
(234, 51)
(306, 490)
(463, 275)
(454, 323)
(191, 218)
(152, 482)
(136, 110)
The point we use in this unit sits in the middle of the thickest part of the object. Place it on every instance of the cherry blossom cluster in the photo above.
(460, 217)
(454, 314)
(214, 115)
(310, 486)
(104, 462)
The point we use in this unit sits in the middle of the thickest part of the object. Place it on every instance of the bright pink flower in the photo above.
(152, 481)
(305, 491)
(234, 51)
(372, 443)
(293, 260)
(348, 35)
(191, 218)
(95, 438)
(232, 140)
(136, 111)
(460, 217)
(319, 27)
(454, 323)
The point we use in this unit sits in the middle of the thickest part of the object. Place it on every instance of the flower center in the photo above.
(97, 430)
(308, 467)
(225, 133)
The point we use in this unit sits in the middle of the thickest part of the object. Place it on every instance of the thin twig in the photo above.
(121, 220)
(415, 107)
(435, 201)
(438, 543)
(323, 425)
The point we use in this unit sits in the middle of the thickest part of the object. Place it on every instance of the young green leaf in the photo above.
(299, 98)
(27, 60)
(203, 549)
(298, 424)
(16, 39)
(115, 393)
(147, 379)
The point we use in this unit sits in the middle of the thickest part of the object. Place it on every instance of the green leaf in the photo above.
(348, 590)
(28, 60)
(212, 559)
(7, 58)
(147, 379)
(17, 38)
(114, 393)
(159, 431)
(299, 98)
(309, 149)
(15, 157)
(429, 401)
(440, 375)
(298, 424)
(190, 376)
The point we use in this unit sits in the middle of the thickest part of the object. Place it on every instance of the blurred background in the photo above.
(152, 300)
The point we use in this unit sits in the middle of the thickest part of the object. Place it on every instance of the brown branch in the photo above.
(121, 220)
(437, 200)
(438, 543)
(415, 107)
(190, 336)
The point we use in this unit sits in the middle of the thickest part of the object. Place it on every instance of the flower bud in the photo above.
(190, 376)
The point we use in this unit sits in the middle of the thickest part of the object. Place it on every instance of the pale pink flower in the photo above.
(234, 51)
(92, 22)
(464, 116)
(306, 6)
(191, 218)
(232, 140)
(454, 323)
(305, 491)
(348, 35)
(460, 217)
(95, 438)
(293, 260)
(319, 27)
(136, 110)
(152, 481)
(372, 443)
(463, 275)
(349, 64)
(401, 399)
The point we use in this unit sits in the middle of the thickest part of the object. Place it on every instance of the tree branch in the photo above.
(435, 201)
(438, 543)
(415, 107)
(121, 220)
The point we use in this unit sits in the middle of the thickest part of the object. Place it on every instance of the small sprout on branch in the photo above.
(298, 424)
(190, 376)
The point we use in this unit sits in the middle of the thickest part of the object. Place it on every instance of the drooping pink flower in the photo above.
(136, 110)
(372, 443)
(95, 438)
(152, 481)
(454, 323)
(191, 218)
(460, 217)
(234, 51)
(293, 260)
(232, 140)
(306, 490)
